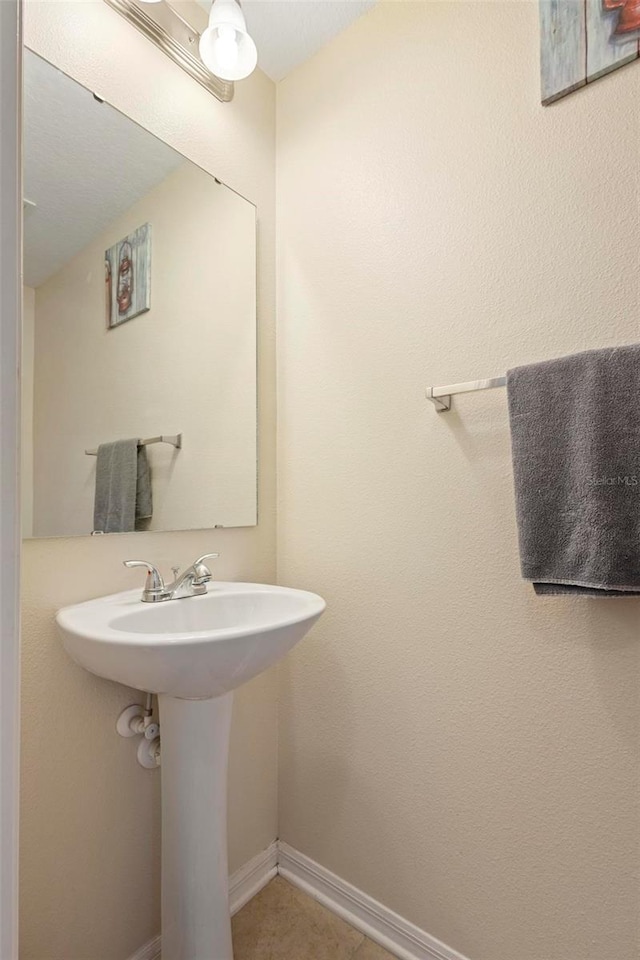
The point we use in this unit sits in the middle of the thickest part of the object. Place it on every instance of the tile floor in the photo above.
(283, 923)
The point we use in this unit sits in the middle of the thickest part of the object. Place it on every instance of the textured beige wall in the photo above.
(186, 366)
(89, 831)
(26, 399)
(463, 751)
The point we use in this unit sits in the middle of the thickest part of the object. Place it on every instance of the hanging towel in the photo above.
(123, 487)
(575, 438)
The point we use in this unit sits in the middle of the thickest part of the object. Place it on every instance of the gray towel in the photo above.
(123, 487)
(575, 437)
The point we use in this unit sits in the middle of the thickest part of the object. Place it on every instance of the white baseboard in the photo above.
(150, 951)
(243, 885)
(250, 879)
(401, 938)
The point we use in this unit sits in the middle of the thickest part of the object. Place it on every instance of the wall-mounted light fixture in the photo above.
(225, 52)
(225, 46)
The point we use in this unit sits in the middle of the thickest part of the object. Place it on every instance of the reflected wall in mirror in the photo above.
(139, 323)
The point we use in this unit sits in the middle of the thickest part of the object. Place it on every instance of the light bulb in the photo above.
(225, 46)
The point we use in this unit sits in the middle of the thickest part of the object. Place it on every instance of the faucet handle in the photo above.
(207, 556)
(154, 584)
(202, 573)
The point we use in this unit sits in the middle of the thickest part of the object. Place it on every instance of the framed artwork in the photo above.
(127, 266)
(582, 40)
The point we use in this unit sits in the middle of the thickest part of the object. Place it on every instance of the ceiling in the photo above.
(84, 164)
(288, 32)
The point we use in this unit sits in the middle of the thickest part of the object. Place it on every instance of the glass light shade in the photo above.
(225, 46)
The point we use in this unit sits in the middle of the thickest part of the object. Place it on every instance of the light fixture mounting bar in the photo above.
(160, 23)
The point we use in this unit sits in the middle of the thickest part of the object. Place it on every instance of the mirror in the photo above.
(139, 325)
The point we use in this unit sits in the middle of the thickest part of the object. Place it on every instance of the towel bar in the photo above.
(175, 441)
(441, 396)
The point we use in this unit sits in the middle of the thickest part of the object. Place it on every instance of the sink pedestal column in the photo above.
(196, 924)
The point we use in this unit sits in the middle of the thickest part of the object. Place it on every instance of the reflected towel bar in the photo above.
(174, 441)
(441, 396)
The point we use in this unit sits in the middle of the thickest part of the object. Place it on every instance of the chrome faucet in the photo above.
(192, 583)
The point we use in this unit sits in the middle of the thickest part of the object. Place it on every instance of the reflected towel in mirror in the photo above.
(123, 499)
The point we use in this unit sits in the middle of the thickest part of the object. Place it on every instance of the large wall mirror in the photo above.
(139, 325)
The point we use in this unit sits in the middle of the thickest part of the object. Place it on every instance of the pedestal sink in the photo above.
(193, 653)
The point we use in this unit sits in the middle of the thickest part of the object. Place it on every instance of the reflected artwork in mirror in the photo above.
(139, 324)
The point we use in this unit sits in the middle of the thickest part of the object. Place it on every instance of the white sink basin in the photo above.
(197, 647)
